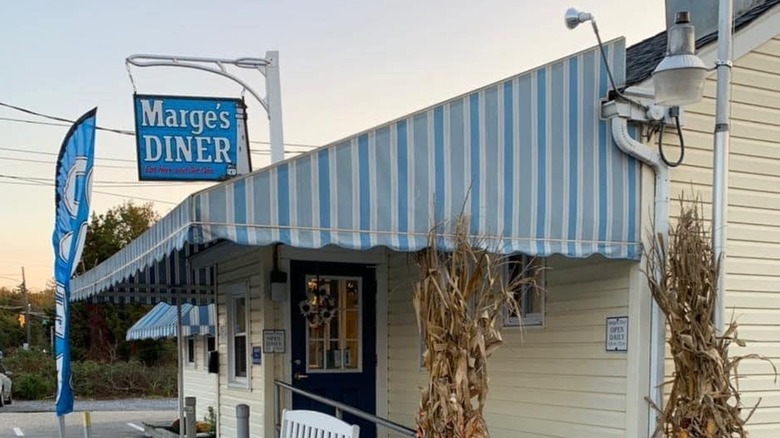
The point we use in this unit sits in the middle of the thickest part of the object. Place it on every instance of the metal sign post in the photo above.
(268, 67)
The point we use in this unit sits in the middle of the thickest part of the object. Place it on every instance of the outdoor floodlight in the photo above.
(574, 18)
(679, 78)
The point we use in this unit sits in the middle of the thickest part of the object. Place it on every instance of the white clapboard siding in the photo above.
(555, 381)
(198, 382)
(753, 231)
(244, 269)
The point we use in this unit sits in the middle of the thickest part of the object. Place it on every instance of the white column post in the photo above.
(180, 364)
(273, 89)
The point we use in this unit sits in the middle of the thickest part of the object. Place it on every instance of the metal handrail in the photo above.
(395, 427)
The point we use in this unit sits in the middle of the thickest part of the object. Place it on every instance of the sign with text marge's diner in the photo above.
(190, 138)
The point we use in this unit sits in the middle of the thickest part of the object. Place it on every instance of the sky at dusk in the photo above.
(345, 67)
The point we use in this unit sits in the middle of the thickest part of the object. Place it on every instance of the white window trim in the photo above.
(529, 320)
(235, 291)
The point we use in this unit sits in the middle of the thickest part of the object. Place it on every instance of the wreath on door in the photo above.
(319, 307)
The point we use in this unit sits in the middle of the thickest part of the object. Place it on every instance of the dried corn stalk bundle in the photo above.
(704, 400)
(459, 302)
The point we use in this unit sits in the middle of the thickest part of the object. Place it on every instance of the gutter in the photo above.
(618, 115)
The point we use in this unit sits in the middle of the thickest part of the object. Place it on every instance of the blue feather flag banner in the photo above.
(73, 186)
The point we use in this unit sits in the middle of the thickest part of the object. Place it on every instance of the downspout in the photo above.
(720, 157)
(649, 157)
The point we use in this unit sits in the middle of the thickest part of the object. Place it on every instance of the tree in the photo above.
(109, 232)
(98, 330)
(12, 334)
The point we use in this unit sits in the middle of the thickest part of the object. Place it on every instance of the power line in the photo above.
(50, 182)
(31, 122)
(135, 197)
(101, 128)
(28, 160)
(60, 119)
(26, 151)
(33, 181)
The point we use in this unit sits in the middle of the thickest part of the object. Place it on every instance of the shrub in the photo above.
(34, 386)
(35, 378)
(29, 361)
(123, 379)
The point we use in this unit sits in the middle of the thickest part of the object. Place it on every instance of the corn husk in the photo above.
(704, 400)
(459, 302)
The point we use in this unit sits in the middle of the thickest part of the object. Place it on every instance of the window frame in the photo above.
(527, 319)
(235, 293)
(342, 314)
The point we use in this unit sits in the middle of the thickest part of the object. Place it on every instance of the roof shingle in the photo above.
(643, 57)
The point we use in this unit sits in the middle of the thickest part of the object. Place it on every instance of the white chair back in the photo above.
(313, 424)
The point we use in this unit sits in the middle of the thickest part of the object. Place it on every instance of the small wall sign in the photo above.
(617, 333)
(274, 341)
(257, 355)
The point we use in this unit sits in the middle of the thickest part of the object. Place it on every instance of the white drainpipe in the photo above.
(641, 152)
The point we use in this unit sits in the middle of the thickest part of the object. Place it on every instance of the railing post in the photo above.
(242, 421)
(277, 407)
(189, 416)
(338, 413)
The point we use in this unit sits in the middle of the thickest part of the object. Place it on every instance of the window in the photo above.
(238, 336)
(529, 297)
(209, 344)
(191, 351)
(332, 311)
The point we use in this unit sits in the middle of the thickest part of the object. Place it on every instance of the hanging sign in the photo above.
(617, 333)
(181, 138)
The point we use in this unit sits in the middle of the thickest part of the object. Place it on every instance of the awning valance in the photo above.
(161, 322)
(527, 159)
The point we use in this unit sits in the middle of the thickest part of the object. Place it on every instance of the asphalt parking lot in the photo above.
(109, 418)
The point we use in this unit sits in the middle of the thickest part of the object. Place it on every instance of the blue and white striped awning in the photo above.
(527, 159)
(161, 322)
(152, 268)
(199, 320)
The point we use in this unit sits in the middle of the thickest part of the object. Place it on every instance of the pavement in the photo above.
(107, 418)
(128, 404)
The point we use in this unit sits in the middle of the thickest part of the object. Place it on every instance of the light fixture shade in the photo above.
(679, 80)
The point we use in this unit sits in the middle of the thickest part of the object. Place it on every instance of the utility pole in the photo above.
(26, 308)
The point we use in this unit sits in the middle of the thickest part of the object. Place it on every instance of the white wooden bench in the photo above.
(313, 424)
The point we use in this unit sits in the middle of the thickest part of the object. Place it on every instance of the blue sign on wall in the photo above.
(188, 138)
(257, 355)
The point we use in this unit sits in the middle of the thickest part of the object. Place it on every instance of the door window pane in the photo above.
(332, 313)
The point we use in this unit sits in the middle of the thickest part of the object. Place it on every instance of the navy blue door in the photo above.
(333, 336)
